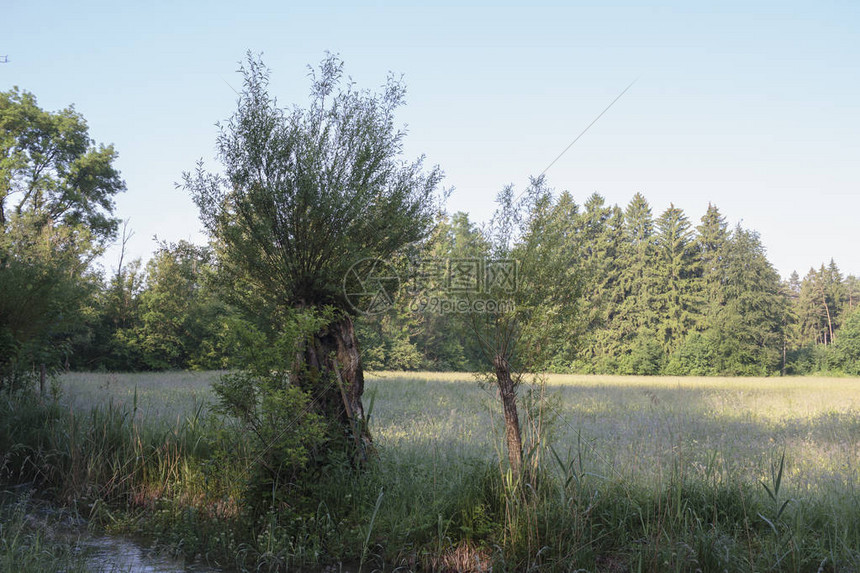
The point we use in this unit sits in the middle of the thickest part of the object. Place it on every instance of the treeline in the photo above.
(659, 295)
(654, 295)
(166, 315)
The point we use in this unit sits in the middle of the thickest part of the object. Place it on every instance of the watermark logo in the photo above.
(434, 285)
(371, 286)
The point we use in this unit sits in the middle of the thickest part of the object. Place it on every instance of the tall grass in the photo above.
(657, 473)
(625, 474)
(109, 464)
(24, 546)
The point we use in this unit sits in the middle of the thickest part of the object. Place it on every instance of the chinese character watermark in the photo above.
(370, 286)
(434, 285)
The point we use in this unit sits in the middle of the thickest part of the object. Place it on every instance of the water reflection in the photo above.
(109, 554)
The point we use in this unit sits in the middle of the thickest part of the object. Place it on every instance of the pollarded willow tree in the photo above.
(305, 193)
(532, 235)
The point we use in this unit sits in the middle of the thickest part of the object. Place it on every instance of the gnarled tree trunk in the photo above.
(330, 370)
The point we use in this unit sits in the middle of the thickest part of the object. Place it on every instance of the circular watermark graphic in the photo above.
(370, 286)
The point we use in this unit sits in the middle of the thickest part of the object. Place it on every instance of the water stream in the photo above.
(114, 554)
(103, 553)
(120, 554)
(117, 554)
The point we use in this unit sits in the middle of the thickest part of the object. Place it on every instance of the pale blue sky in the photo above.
(754, 106)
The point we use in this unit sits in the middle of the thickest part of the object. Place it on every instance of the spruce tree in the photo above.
(635, 323)
(750, 325)
(677, 297)
(711, 237)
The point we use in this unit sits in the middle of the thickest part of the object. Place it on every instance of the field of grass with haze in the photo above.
(646, 473)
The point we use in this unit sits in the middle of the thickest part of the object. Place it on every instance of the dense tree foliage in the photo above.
(308, 192)
(657, 296)
(56, 215)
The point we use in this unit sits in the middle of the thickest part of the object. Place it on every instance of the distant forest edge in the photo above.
(659, 296)
(626, 293)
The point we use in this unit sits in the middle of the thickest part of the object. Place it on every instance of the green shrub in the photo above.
(844, 353)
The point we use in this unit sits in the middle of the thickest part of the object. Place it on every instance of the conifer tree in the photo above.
(636, 318)
(749, 326)
(711, 237)
(677, 297)
(599, 227)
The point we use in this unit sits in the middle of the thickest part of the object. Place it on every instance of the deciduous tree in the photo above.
(535, 233)
(305, 194)
(57, 193)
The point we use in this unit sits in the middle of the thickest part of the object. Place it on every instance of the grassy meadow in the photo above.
(646, 429)
(629, 474)
(639, 428)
